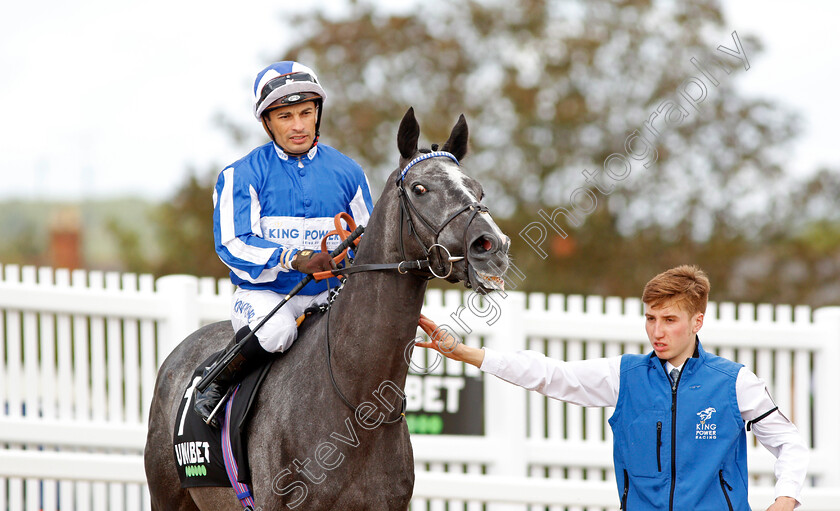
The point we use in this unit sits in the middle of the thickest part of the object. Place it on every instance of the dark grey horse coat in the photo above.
(307, 449)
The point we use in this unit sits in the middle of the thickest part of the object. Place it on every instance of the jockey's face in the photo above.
(672, 332)
(293, 126)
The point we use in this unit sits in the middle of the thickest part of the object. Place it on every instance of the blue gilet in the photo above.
(681, 447)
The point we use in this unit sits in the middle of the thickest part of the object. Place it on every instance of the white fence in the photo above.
(81, 350)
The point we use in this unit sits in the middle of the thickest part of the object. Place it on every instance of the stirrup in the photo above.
(210, 420)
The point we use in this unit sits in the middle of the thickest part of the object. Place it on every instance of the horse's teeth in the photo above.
(493, 279)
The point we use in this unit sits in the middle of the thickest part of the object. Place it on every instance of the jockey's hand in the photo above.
(309, 261)
(447, 345)
(783, 504)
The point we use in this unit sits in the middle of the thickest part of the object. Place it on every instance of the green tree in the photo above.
(185, 228)
(553, 88)
(183, 234)
(797, 259)
(21, 243)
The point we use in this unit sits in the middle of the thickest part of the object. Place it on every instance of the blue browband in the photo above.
(426, 156)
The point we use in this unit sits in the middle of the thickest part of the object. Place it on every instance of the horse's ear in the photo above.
(408, 134)
(457, 143)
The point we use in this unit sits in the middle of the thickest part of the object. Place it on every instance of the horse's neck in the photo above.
(375, 317)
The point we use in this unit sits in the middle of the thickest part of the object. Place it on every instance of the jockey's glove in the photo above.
(309, 261)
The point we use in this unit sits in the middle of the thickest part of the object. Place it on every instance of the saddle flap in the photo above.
(198, 447)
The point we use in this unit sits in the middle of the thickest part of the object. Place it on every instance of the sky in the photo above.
(105, 99)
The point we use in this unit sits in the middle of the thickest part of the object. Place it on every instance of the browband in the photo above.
(426, 156)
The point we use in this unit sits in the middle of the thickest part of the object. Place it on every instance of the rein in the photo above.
(347, 402)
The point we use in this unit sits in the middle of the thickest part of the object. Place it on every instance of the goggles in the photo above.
(280, 81)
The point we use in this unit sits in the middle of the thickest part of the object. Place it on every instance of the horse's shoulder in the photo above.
(299, 372)
(307, 348)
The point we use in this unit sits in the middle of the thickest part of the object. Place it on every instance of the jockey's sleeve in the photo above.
(361, 206)
(237, 232)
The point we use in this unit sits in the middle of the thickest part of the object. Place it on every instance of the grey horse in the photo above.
(307, 448)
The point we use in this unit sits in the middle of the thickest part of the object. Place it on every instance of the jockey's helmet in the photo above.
(285, 83)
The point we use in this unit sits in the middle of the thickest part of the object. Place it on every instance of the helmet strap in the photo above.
(319, 104)
(267, 129)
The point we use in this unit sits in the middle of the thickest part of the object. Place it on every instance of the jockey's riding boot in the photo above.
(252, 355)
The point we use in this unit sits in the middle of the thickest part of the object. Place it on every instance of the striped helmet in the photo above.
(286, 83)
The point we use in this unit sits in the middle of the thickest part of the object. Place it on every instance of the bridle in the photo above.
(408, 211)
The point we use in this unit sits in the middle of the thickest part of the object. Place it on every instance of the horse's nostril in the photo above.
(483, 244)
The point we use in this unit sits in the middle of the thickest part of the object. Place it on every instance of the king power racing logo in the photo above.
(706, 429)
(298, 232)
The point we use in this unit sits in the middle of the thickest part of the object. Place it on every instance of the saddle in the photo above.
(210, 457)
(199, 455)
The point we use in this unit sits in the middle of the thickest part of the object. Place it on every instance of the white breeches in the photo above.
(249, 307)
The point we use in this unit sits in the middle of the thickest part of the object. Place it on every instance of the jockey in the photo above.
(270, 211)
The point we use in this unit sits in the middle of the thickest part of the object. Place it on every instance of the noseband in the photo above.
(408, 211)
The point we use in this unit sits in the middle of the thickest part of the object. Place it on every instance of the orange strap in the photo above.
(342, 233)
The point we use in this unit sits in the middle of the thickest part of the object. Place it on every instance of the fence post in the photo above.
(180, 293)
(505, 408)
(826, 401)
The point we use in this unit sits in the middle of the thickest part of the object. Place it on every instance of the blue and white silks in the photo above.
(269, 205)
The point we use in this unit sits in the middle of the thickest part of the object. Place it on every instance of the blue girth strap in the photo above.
(243, 492)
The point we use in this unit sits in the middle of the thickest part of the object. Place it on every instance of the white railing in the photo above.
(81, 351)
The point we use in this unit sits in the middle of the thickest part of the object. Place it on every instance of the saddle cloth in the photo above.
(198, 447)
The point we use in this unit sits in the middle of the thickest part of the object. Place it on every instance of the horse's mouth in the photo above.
(484, 282)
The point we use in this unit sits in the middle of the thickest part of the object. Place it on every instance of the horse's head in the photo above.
(442, 218)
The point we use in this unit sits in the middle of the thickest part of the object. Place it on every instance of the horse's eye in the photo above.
(419, 189)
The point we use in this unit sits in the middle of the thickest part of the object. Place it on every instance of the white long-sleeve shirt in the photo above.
(596, 382)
